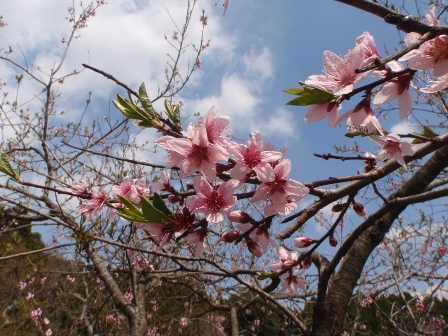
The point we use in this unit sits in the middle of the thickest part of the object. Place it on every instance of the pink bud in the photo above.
(359, 209)
(238, 216)
(174, 198)
(254, 248)
(230, 237)
(302, 242)
(333, 241)
(306, 263)
(190, 185)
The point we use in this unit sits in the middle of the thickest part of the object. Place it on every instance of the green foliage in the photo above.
(148, 213)
(6, 168)
(309, 95)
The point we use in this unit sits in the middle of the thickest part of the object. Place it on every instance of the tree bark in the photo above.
(334, 293)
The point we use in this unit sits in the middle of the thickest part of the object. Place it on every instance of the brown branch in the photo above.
(108, 76)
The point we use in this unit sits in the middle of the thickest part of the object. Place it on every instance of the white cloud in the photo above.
(404, 127)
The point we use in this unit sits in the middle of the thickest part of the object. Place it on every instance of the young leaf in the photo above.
(152, 214)
(145, 101)
(160, 205)
(5, 167)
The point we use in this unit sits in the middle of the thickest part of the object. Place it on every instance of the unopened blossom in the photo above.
(369, 164)
(163, 184)
(361, 118)
(230, 237)
(287, 260)
(212, 201)
(281, 192)
(94, 205)
(396, 88)
(302, 242)
(80, 188)
(340, 75)
(184, 321)
(238, 216)
(252, 157)
(49, 332)
(359, 209)
(193, 155)
(393, 148)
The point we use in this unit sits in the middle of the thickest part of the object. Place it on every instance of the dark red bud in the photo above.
(359, 209)
(230, 237)
(337, 207)
(333, 241)
(306, 263)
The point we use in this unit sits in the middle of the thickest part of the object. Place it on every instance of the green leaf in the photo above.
(145, 101)
(266, 275)
(309, 95)
(160, 205)
(131, 206)
(152, 214)
(427, 131)
(5, 167)
(130, 215)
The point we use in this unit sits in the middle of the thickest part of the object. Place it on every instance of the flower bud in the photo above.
(306, 263)
(359, 209)
(174, 198)
(230, 237)
(254, 248)
(302, 242)
(333, 241)
(238, 216)
(189, 185)
(338, 207)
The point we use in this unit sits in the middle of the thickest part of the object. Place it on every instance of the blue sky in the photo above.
(258, 49)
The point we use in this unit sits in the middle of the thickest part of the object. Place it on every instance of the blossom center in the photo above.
(216, 201)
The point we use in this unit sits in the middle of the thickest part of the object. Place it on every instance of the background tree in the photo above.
(139, 236)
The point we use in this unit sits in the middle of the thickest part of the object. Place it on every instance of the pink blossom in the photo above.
(368, 44)
(253, 158)
(22, 285)
(80, 188)
(253, 247)
(281, 192)
(110, 319)
(432, 54)
(315, 113)
(49, 332)
(128, 296)
(292, 283)
(361, 118)
(340, 75)
(30, 297)
(94, 205)
(212, 201)
(215, 126)
(396, 88)
(193, 155)
(130, 190)
(198, 239)
(440, 84)
(163, 184)
(420, 305)
(260, 235)
(393, 147)
(184, 321)
(302, 242)
(287, 261)
(161, 232)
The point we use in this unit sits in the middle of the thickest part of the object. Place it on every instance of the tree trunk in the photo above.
(334, 293)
